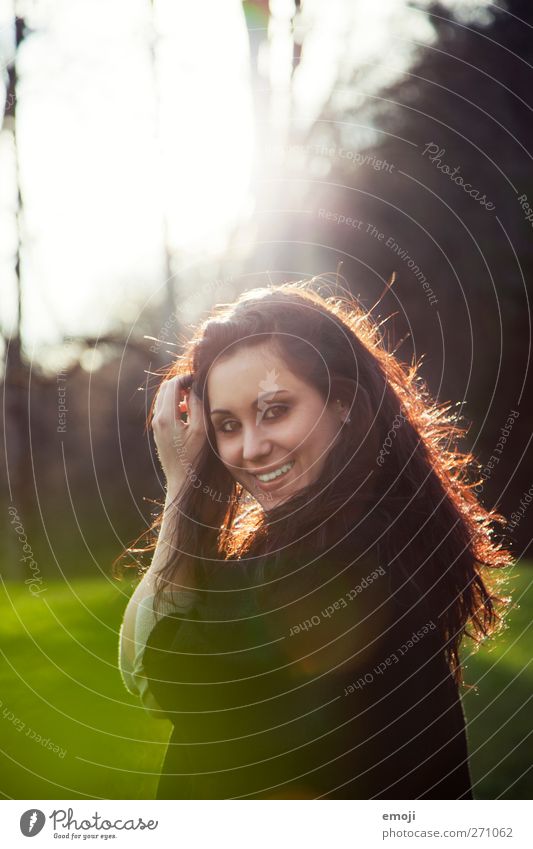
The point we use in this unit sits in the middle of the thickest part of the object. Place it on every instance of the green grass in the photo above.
(499, 710)
(59, 679)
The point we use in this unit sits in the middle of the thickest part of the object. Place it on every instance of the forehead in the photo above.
(238, 378)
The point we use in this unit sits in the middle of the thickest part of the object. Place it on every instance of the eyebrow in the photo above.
(256, 402)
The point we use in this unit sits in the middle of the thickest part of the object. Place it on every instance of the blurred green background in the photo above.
(60, 678)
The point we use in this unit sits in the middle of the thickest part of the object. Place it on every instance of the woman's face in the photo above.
(266, 419)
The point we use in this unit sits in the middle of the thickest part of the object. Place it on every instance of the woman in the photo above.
(320, 556)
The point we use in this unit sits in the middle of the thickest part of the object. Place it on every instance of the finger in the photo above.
(177, 392)
(184, 391)
(159, 398)
(171, 400)
(183, 407)
(167, 412)
(186, 381)
(194, 406)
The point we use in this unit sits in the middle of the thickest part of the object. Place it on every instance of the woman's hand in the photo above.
(178, 442)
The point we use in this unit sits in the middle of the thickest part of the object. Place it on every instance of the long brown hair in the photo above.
(396, 474)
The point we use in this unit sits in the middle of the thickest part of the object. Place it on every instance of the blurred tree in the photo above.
(16, 374)
(169, 304)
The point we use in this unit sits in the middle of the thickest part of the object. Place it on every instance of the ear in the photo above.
(349, 392)
(355, 402)
(362, 433)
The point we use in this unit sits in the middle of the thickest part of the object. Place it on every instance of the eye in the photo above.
(222, 428)
(280, 407)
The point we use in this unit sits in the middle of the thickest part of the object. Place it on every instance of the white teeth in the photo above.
(276, 473)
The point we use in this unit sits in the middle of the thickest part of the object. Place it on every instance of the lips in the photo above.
(267, 484)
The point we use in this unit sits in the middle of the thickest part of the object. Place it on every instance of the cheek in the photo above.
(229, 455)
(322, 442)
(320, 432)
(304, 425)
(224, 451)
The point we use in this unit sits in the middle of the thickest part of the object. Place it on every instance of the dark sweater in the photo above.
(337, 688)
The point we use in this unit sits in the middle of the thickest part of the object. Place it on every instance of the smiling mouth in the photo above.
(276, 473)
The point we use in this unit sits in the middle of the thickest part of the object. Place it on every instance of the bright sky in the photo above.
(112, 144)
(100, 162)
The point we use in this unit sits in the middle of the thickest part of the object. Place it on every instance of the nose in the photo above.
(255, 444)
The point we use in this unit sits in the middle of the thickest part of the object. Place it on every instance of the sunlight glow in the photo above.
(109, 145)
(136, 138)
